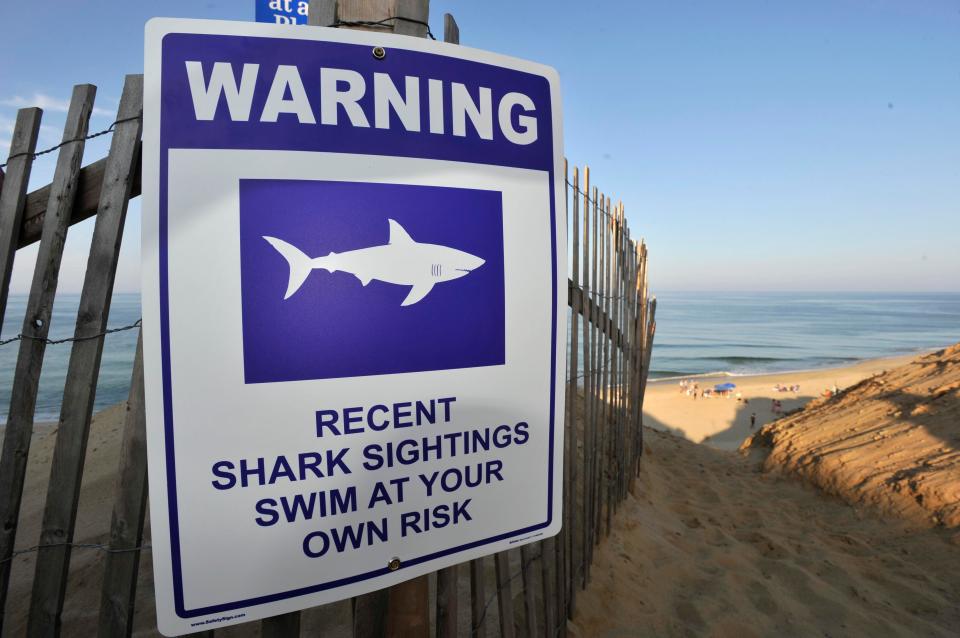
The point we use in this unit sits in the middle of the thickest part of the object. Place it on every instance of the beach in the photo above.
(724, 422)
(712, 541)
(709, 545)
(839, 519)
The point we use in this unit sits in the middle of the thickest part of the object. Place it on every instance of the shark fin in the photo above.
(417, 292)
(300, 264)
(398, 235)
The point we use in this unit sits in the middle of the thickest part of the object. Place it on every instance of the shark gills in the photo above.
(401, 261)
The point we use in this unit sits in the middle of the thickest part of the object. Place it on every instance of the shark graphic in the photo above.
(400, 261)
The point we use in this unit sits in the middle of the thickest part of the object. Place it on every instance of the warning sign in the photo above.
(354, 297)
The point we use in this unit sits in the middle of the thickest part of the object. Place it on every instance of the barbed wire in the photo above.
(103, 548)
(37, 154)
(53, 342)
(599, 205)
(382, 23)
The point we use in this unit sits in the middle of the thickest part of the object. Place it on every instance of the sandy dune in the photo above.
(891, 441)
(710, 546)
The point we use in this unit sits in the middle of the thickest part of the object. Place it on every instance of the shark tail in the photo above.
(300, 264)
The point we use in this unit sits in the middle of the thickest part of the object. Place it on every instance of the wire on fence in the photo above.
(109, 129)
(496, 593)
(53, 342)
(103, 548)
(600, 205)
(382, 23)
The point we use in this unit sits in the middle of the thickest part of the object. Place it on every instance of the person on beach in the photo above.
(753, 419)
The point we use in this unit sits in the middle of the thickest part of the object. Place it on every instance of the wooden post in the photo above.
(408, 606)
(322, 13)
(404, 609)
(36, 325)
(13, 198)
(451, 30)
(126, 527)
(63, 492)
(447, 578)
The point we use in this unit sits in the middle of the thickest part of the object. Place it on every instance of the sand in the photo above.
(713, 542)
(708, 545)
(724, 423)
(891, 442)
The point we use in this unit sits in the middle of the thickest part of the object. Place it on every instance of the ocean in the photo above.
(697, 333)
(115, 368)
(753, 333)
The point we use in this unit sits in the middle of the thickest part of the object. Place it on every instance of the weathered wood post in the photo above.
(447, 578)
(403, 610)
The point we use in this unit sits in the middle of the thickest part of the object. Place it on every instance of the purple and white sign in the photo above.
(354, 296)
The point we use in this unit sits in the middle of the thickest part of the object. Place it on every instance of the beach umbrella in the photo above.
(723, 387)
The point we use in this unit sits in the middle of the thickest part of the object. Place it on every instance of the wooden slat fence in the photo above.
(530, 591)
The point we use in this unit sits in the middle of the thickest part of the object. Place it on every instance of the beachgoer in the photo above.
(753, 420)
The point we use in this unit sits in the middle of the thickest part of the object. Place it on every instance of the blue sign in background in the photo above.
(282, 11)
(333, 326)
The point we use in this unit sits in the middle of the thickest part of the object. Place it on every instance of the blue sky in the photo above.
(756, 145)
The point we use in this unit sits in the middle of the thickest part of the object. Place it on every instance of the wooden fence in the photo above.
(532, 589)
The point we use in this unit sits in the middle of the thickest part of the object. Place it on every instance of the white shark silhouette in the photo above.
(400, 261)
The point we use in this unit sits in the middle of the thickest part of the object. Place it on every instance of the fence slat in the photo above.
(478, 599)
(612, 462)
(594, 408)
(527, 558)
(53, 560)
(282, 626)
(504, 593)
(129, 509)
(607, 367)
(13, 196)
(36, 326)
(370, 614)
(587, 430)
(568, 534)
(447, 599)
(548, 583)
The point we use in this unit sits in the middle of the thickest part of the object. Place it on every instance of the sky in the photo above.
(755, 145)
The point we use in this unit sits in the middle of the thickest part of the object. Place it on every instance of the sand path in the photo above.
(709, 546)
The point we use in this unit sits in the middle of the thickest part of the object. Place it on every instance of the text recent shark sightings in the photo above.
(400, 261)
